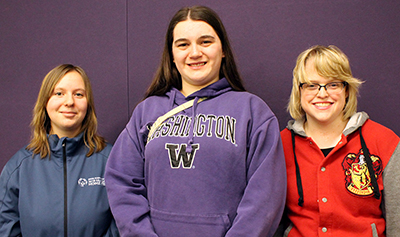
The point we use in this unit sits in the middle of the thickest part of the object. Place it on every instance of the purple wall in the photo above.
(119, 44)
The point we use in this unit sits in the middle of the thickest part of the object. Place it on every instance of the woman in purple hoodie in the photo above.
(212, 166)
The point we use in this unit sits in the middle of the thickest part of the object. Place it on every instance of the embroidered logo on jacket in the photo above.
(358, 178)
(99, 181)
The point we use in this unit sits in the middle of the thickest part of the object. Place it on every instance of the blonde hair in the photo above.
(41, 124)
(330, 62)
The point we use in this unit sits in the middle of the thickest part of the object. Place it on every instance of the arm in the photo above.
(9, 213)
(262, 204)
(391, 192)
(124, 177)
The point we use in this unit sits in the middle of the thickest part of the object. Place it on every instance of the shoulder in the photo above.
(105, 152)
(285, 133)
(243, 100)
(15, 162)
(107, 149)
(286, 136)
(152, 101)
(152, 106)
(372, 128)
(245, 95)
(296, 126)
(20, 156)
(379, 139)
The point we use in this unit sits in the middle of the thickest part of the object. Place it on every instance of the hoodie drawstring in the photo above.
(298, 176)
(371, 170)
(368, 160)
(172, 99)
(190, 138)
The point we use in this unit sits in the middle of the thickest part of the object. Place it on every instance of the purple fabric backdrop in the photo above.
(119, 44)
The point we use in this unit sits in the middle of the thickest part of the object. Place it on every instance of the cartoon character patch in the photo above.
(358, 178)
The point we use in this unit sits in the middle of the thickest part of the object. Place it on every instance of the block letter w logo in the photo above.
(176, 157)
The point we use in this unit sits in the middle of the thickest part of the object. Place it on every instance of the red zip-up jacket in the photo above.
(338, 196)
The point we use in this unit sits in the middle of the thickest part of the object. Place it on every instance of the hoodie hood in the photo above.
(176, 98)
(213, 90)
(355, 121)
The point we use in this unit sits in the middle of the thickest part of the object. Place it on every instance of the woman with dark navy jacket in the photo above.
(55, 185)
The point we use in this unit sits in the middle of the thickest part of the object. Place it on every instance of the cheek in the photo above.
(176, 56)
(51, 105)
(176, 59)
(305, 99)
(344, 102)
(83, 105)
(340, 98)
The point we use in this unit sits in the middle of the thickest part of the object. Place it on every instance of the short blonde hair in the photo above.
(41, 124)
(330, 62)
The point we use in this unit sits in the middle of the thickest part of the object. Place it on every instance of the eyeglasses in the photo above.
(331, 88)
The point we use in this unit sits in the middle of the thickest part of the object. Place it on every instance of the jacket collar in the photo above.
(72, 144)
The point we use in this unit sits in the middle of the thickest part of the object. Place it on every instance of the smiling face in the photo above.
(67, 105)
(197, 53)
(322, 108)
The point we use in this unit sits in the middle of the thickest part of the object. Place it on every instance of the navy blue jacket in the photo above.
(32, 192)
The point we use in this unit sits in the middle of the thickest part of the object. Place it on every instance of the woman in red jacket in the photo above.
(341, 166)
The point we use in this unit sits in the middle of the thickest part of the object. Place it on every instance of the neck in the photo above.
(66, 134)
(325, 135)
(188, 88)
(186, 91)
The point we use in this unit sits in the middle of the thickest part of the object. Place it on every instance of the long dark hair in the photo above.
(167, 74)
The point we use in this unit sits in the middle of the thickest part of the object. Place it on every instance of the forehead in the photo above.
(71, 80)
(193, 29)
(312, 74)
(309, 65)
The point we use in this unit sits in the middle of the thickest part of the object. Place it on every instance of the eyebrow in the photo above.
(63, 89)
(201, 37)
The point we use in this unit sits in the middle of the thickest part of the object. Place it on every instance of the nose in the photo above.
(321, 92)
(195, 51)
(69, 100)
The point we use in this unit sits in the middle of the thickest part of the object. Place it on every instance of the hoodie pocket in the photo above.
(186, 225)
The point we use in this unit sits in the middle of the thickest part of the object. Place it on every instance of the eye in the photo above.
(312, 86)
(182, 45)
(79, 94)
(57, 93)
(206, 42)
(334, 85)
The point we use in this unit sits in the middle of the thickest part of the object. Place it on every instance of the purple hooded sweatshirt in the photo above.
(214, 169)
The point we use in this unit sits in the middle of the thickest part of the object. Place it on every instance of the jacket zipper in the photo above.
(65, 190)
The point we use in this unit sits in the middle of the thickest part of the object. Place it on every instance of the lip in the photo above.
(323, 105)
(68, 113)
(196, 65)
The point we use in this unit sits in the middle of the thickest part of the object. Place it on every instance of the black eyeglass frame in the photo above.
(324, 86)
